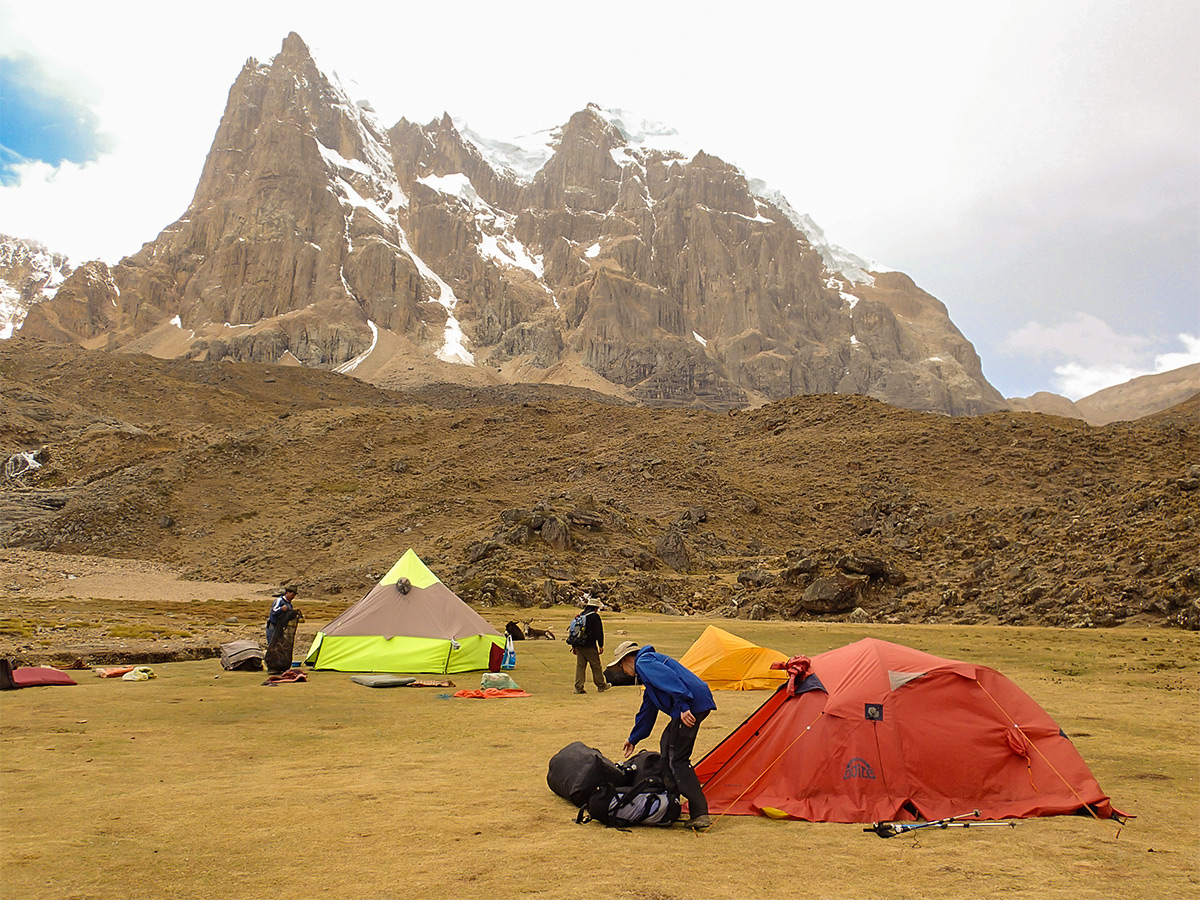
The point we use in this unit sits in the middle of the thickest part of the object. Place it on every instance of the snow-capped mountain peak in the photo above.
(524, 155)
(609, 252)
(836, 259)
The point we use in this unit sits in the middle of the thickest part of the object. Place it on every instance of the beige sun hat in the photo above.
(623, 650)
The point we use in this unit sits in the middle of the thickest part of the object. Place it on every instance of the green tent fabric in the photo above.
(409, 622)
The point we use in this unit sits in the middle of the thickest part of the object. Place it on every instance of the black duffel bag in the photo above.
(576, 770)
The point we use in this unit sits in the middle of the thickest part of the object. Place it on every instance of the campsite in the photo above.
(203, 782)
(156, 531)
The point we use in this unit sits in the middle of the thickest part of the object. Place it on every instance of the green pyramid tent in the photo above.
(409, 622)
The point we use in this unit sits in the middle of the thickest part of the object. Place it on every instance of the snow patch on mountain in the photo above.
(648, 134)
(521, 156)
(454, 342)
(454, 346)
(29, 273)
(12, 311)
(351, 195)
(378, 160)
(497, 230)
(835, 258)
(511, 252)
(351, 364)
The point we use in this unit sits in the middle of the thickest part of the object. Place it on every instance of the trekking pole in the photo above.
(891, 829)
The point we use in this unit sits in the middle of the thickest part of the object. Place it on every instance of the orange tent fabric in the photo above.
(491, 693)
(879, 732)
(726, 662)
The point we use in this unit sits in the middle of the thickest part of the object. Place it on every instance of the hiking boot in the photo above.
(603, 689)
(580, 691)
(700, 823)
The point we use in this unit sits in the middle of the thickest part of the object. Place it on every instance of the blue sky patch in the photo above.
(41, 119)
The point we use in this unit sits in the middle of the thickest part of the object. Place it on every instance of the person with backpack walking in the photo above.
(586, 638)
(673, 689)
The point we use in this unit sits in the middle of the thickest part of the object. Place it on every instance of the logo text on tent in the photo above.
(858, 768)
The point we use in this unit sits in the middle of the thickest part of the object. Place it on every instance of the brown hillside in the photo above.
(819, 506)
(1141, 396)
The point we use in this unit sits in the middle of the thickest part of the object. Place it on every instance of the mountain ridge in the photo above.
(1132, 399)
(36, 268)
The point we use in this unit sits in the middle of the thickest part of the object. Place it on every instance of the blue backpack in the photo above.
(577, 631)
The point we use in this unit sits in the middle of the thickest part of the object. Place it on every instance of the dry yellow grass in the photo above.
(204, 783)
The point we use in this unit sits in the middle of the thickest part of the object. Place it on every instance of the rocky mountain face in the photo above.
(407, 253)
(29, 273)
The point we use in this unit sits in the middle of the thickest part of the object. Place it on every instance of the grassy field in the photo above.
(205, 783)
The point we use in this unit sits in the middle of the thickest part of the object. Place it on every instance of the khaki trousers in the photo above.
(584, 657)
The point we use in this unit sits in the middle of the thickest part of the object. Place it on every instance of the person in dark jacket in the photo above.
(675, 690)
(589, 654)
(279, 612)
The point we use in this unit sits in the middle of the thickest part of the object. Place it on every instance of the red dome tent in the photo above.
(877, 732)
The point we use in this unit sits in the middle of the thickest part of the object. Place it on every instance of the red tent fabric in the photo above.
(879, 732)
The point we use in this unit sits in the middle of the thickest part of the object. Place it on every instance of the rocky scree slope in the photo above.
(811, 507)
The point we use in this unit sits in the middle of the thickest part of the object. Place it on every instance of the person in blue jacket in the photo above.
(677, 691)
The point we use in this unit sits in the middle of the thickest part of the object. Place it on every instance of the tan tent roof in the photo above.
(429, 609)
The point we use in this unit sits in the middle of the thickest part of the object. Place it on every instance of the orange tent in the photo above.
(877, 732)
(726, 662)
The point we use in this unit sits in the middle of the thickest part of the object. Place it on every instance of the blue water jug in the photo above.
(509, 660)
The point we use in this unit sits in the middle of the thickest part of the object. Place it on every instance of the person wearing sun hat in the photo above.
(593, 647)
(677, 691)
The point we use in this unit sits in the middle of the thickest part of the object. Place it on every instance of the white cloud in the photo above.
(1082, 338)
(1075, 381)
(1165, 362)
(1096, 357)
(65, 206)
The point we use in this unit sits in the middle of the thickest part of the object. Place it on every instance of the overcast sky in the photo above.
(1034, 165)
